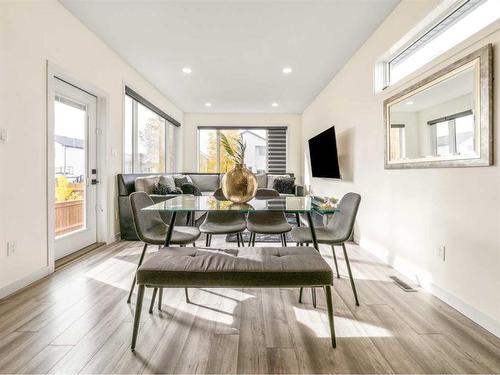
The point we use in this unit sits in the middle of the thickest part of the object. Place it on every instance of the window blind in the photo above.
(276, 150)
(146, 103)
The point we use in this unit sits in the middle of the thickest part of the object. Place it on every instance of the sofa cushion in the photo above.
(206, 182)
(261, 180)
(272, 177)
(146, 183)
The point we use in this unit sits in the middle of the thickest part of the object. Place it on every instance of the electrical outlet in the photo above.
(4, 136)
(442, 253)
(11, 248)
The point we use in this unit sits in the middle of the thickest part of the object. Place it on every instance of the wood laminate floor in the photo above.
(77, 321)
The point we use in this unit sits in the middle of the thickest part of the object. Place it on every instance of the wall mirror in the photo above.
(444, 120)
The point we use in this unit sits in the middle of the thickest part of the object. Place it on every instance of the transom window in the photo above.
(149, 141)
(466, 18)
(265, 152)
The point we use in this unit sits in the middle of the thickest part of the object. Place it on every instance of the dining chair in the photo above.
(337, 231)
(267, 222)
(152, 230)
(223, 222)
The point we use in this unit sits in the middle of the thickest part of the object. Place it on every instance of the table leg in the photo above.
(168, 237)
(316, 246)
(170, 229)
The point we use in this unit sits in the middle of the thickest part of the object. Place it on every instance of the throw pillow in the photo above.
(261, 180)
(145, 183)
(284, 185)
(272, 177)
(167, 180)
(161, 189)
(181, 180)
(189, 188)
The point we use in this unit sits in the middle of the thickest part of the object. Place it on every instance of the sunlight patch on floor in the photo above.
(317, 321)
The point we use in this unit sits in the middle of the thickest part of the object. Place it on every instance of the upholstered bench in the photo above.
(246, 267)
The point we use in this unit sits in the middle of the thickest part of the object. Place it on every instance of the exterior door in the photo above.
(75, 176)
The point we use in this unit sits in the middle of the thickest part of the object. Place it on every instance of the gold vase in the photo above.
(239, 185)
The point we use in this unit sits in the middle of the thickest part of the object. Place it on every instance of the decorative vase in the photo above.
(239, 185)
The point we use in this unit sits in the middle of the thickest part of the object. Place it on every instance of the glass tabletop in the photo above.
(210, 203)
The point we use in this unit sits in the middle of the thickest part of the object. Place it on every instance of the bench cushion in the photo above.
(237, 267)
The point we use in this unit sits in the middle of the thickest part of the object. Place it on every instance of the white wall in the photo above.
(32, 32)
(192, 121)
(406, 215)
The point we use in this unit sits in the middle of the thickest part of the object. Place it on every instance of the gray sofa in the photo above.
(206, 182)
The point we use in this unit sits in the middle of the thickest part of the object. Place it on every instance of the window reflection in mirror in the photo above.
(436, 122)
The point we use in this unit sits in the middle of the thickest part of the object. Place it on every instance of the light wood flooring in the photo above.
(77, 321)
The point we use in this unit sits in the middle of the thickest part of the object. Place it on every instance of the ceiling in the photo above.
(235, 48)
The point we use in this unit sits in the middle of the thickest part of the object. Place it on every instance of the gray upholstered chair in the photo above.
(267, 222)
(223, 222)
(152, 230)
(336, 232)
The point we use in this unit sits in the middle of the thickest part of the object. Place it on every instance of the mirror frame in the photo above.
(484, 98)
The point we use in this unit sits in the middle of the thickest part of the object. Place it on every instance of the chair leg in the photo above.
(187, 295)
(335, 261)
(241, 239)
(238, 239)
(194, 244)
(209, 240)
(313, 295)
(297, 217)
(253, 239)
(329, 304)
(206, 240)
(160, 298)
(137, 317)
(350, 275)
(300, 294)
(155, 290)
(138, 265)
(284, 240)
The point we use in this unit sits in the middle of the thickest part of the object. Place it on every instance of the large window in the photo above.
(265, 152)
(149, 139)
(462, 21)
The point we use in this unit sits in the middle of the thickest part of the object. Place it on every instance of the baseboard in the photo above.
(423, 280)
(23, 282)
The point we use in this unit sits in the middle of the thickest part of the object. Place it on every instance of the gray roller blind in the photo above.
(276, 150)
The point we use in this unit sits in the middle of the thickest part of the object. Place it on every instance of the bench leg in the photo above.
(137, 317)
(155, 290)
(329, 304)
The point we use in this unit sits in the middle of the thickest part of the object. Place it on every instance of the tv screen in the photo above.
(323, 155)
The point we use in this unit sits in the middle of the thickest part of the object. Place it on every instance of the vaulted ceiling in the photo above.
(237, 49)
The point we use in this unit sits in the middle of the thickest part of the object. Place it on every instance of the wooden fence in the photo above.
(70, 215)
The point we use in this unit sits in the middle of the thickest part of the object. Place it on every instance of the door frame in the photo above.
(103, 216)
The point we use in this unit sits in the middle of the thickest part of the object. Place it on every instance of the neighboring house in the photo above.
(69, 158)
(256, 152)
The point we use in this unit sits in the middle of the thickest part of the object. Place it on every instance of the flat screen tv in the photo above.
(323, 155)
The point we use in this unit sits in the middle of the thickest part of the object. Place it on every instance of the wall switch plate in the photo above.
(11, 248)
(442, 253)
(4, 136)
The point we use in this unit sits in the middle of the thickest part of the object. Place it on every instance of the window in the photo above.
(149, 137)
(453, 135)
(265, 152)
(464, 20)
(398, 142)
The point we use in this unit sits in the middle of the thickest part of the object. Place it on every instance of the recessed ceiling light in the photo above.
(275, 104)
(287, 70)
(187, 70)
(409, 102)
(208, 104)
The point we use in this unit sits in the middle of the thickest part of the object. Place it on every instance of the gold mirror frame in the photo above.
(482, 60)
